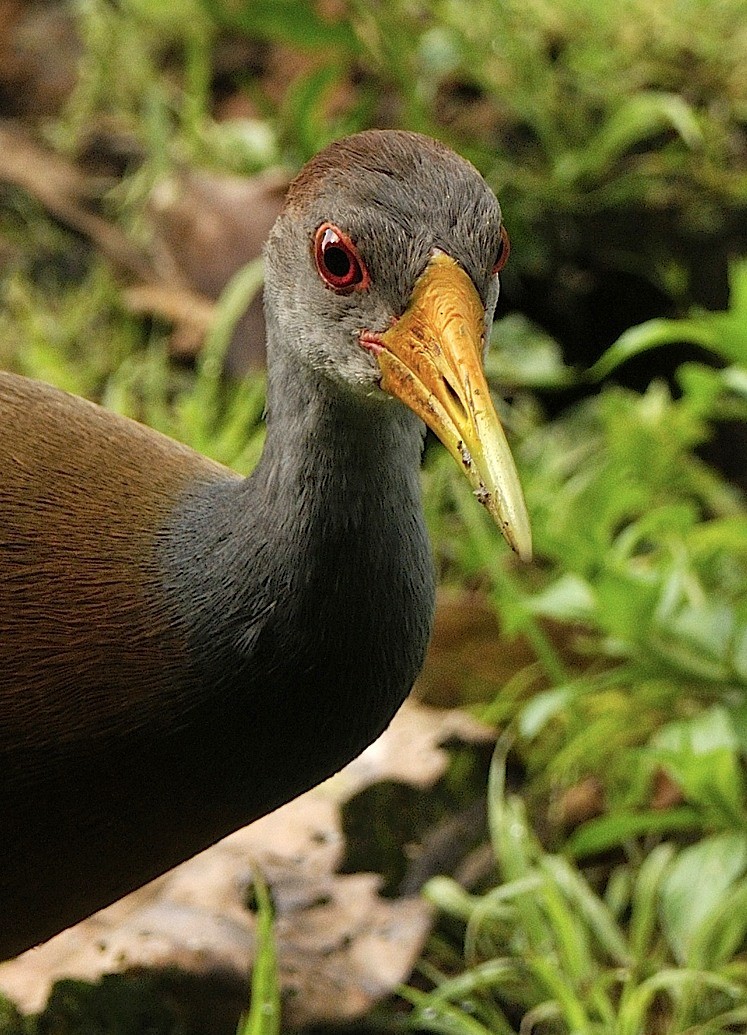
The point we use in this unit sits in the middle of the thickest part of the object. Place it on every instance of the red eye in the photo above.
(337, 260)
(504, 250)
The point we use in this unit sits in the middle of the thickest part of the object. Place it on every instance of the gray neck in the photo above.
(308, 587)
(335, 461)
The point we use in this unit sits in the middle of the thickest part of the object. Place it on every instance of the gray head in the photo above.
(395, 198)
(382, 278)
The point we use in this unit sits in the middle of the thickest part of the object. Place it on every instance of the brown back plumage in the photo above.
(82, 498)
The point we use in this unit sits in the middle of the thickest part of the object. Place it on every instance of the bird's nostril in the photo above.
(454, 397)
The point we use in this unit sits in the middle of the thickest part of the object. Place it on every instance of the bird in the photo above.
(183, 650)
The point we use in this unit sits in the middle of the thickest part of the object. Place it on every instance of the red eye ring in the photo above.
(504, 250)
(338, 262)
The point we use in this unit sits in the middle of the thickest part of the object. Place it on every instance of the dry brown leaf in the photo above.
(471, 658)
(208, 226)
(410, 751)
(205, 228)
(40, 52)
(66, 192)
(580, 803)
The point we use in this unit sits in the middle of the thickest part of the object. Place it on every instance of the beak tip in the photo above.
(511, 517)
(518, 535)
(522, 546)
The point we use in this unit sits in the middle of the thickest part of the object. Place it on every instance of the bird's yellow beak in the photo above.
(431, 359)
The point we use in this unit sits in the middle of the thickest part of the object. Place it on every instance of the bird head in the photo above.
(384, 262)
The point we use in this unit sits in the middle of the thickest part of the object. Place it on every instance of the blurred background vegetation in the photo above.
(615, 136)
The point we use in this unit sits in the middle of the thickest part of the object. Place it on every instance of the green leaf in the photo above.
(200, 411)
(738, 290)
(586, 904)
(570, 598)
(304, 112)
(294, 21)
(542, 708)
(722, 932)
(522, 355)
(637, 118)
(652, 335)
(711, 866)
(645, 897)
(610, 831)
(723, 333)
(702, 755)
(643, 115)
(627, 602)
(433, 1014)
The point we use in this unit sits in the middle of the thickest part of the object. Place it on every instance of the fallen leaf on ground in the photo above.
(205, 227)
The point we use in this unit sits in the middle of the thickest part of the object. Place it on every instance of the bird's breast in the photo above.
(305, 638)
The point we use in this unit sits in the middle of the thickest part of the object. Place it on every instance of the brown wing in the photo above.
(94, 680)
(83, 625)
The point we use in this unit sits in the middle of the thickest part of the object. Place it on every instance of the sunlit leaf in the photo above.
(598, 835)
(712, 866)
(295, 21)
(263, 1016)
(569, 599)
(724, 334)
(702, 756)
(521, 355)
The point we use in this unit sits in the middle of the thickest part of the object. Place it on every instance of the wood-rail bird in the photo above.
(183, 650)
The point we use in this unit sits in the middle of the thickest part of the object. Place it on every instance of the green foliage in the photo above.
(11, 1022)
(723, 334)
(64, 336)
(642, 566)
(575, 112)
(219, 419)
(643, 559)
(645, 954)
(705, 759)
(286, 21)
(572, 109)
(610, 101)
(147, 70)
